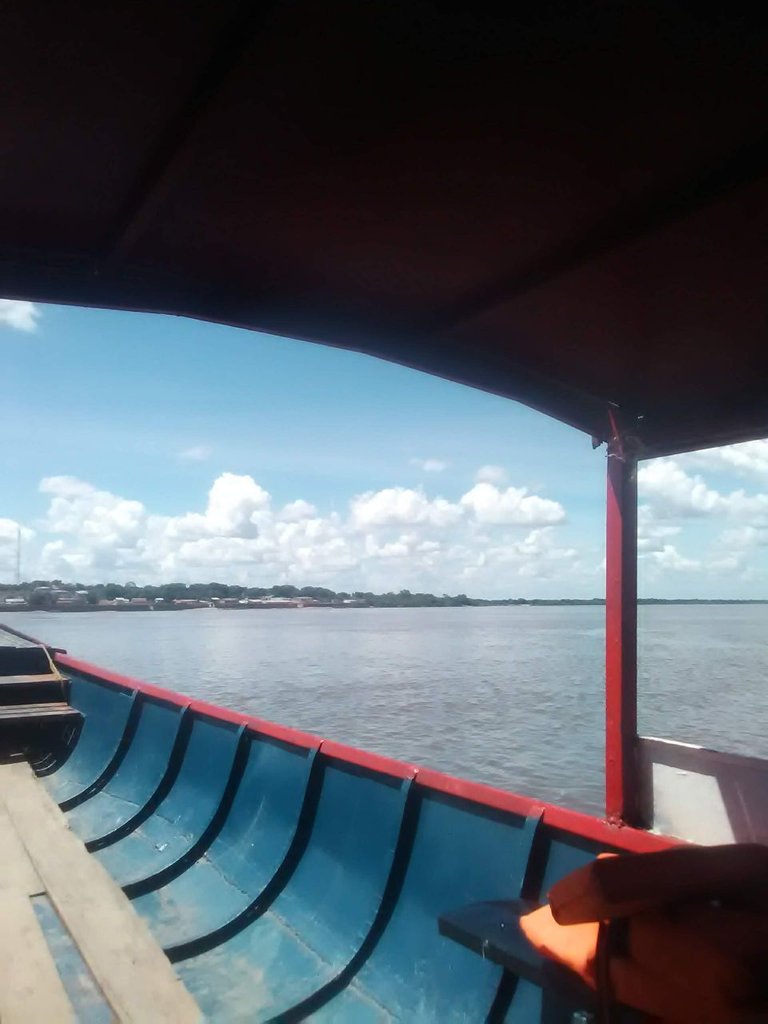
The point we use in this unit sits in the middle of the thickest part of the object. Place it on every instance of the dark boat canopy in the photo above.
(566, 204)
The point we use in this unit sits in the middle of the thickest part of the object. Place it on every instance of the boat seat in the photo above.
(71, 946)
(16, 714)
(30, 688)
(492, 930)
(28, 728)
(20, 656)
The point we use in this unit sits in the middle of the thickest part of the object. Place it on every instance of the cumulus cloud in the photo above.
(19, 315)
(297, 510)
(401, 505)
(668, 557)
(481, 541)
(392, 537)
(236, 504)
(197, 453)
(529, 554)
(10, 530)
(101, 526)
(651, 534)
(535, 556)
(675, 497)
(672, 492)
(511, 506)
(78, 508)
(749, 459)
(430, 465)
(744, 537)
(491, 475)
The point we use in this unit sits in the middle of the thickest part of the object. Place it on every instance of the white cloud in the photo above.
(401, 505)
(528, 554)
(297, 510)
(491, 475)
(430, 465)
(668, 557)
(198, 453)
(680, 504)
(78, 508)
(744, 537)
(235, 505)
(651, 535)
(514, 506)
(749, 459)
(101, 525)
(671, 493)
(387, 539)
(10, 529)
(19, 315)
(491, 540)
(535, 557)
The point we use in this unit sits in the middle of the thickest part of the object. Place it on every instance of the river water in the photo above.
(509, 696)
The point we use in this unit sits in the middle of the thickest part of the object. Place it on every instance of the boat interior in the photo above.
(287, 877)
(565, 205)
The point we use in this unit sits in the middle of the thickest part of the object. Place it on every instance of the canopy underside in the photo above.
(566, 205)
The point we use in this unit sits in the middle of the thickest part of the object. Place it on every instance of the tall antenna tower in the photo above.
(18, 555)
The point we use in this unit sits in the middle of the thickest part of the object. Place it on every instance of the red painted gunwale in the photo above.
(364, 759)
(261, 725)
(560, 818)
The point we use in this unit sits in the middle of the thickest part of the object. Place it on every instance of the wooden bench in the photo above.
(40, 855)
(13, 713)
(33, 689)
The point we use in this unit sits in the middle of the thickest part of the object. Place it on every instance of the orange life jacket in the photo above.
(695, 947)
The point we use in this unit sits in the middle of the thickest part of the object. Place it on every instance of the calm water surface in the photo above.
(509, 696)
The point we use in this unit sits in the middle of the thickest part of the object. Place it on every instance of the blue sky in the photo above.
(155, 448)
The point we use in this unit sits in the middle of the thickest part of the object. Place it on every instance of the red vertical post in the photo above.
(621, 795)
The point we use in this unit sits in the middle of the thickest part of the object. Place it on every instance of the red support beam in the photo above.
(621, 791)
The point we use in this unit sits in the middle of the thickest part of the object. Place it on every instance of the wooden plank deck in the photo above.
(17, 873)
(131, 969)
(31, 990)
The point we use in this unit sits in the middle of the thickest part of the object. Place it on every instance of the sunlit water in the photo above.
(509, 696)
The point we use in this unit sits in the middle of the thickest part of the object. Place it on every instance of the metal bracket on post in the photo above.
(621, 777)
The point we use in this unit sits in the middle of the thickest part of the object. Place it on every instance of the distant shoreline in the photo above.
(56, 595)
(71, 608)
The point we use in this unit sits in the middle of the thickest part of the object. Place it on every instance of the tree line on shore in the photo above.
(37, 594)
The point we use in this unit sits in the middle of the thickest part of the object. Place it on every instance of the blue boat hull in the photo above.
(291, 878)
